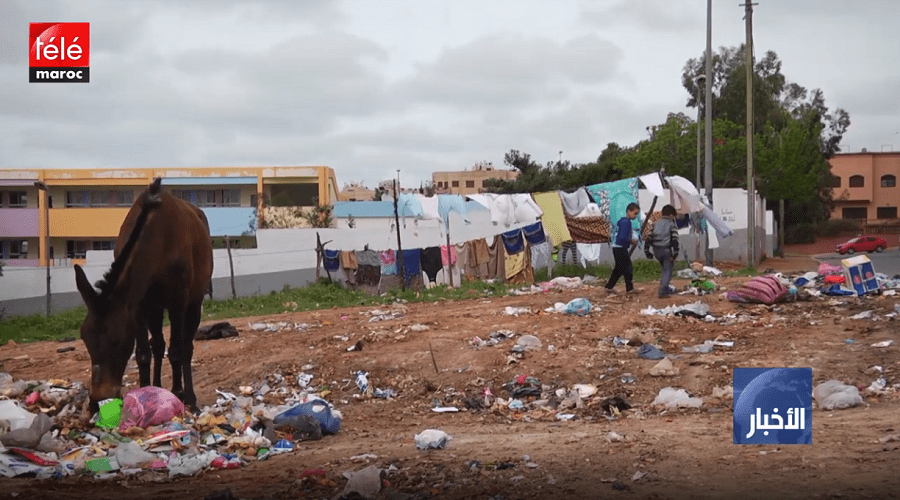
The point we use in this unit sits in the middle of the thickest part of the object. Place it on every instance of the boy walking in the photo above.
(664, 244)
(625, 236)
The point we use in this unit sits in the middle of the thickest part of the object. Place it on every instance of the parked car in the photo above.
(862, 244)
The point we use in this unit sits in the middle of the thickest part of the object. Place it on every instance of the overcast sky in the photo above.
(370, 86)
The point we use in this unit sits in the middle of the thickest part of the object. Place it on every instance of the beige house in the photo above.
(865, 185)
(470, 181)
(356, 192)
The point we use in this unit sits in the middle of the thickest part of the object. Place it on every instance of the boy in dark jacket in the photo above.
(625, 237)
(664, 245)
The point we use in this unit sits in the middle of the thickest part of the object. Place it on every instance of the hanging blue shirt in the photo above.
(534, 233)
(451, 203)
(412, 266)
(513, 241)
(332, 260)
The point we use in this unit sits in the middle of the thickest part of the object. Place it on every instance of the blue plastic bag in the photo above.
(578, 307)
(648, 351)
(317, 409)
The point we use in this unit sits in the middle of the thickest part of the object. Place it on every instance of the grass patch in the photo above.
(38, 327)
(644, 271)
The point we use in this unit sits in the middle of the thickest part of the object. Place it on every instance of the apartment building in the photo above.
(469, 181)
(865, 185)
(83, 209)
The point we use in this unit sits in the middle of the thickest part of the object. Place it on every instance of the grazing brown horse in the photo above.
(163, 261)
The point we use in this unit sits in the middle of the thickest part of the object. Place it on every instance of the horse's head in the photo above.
(109, 333)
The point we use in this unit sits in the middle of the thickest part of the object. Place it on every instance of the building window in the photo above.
(854, 213)
(888, 181)
(231, 198)
(76, 249)
(99, 198)
(857, 181)
(17, 199)
(17, 249)
(103, 245)
(78, 198)
(254, 200)
(124, 198)
(455, 184)
(470, 184)
(887, 212)
(835, 181)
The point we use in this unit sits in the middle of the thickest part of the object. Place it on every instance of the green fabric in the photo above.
(110, 413)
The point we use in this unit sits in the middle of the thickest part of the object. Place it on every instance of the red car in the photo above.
(862, 244)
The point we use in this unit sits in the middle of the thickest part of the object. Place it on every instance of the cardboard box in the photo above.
(860, 274)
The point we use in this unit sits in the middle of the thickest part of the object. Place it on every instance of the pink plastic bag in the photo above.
(149, 406)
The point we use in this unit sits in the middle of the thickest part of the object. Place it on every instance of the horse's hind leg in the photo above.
(191, 322)
(158, 343)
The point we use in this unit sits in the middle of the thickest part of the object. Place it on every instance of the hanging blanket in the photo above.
(574, 203)
(553, 220)
(535, 233)
(760, 290)
(448, 255)
(614, 198)
(478, 252)
(348, 260)
(540, 255)
(388, 263)
(451, 203)
(513, 241)
(588, 229)
(332, 260)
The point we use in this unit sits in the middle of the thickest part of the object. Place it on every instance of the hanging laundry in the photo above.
(540, 255)
(591, 210)
(515, 264)
(525, 274)
(408, 205)
(448, 255)
(368, 258)
(568, 254)
(332, 260)
(461, 251)
(653, 184)
(431, 262)
(722, 229)
(388, 263)
(535, 233)
(685, 196)
(368, 274)
(502, 210)
(614, 198)
(348, 260)
(513, 241)
(497, 260)
(479, 252)
(589, 253)
(451, 203)
(589, 229)
(526, 210)
(429, 206)
(412, 266)
(574, 203)
(553, 220)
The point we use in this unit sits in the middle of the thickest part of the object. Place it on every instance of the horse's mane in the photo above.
(151, 200)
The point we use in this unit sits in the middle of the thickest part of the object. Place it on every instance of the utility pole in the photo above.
(699, 152)
(708, 178)
(399, 256)
(751, 188)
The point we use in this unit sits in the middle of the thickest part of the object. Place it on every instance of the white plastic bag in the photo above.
(836, 395)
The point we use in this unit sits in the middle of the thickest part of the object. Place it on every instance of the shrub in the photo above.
(837, 227)
(801, 233)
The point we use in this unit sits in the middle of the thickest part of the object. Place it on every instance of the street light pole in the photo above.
(697, 81)
(45, 248)
(708, 177)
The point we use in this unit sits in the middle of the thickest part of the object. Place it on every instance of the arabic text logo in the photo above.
(773, 406)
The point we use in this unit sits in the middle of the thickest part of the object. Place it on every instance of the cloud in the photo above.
(677, 16)
(511, 70)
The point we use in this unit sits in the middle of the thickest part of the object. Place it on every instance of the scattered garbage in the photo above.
(696, 310)
(111, 413)
(723, 392)
(432, 439)
(889, 438)
(877, 386)
(664, 368)
(515, 311)
(565, 282)
(835, 395)
(614, 437)
(585, 390)
(328, 418)
(418, 328)
(649, 351)
(614, 405)
(579, 307)
(365, 483)
(672, 398)
(687, 274)
(863, 315)
(883, 343)
(495, 338)
(529, 343)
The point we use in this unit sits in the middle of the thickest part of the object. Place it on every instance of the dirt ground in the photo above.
(683, 454)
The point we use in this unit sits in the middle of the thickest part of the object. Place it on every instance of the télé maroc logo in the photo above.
(59, 52)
